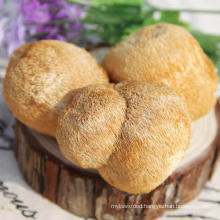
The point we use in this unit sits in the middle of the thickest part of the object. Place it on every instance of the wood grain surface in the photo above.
(84, 193)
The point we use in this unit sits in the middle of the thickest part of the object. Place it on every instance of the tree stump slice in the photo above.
(84, 193)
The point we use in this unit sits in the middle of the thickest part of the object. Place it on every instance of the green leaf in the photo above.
(110, 2)
(170, 16)
(78, 2)
(145, 7)
(216, 60)
(209, 42)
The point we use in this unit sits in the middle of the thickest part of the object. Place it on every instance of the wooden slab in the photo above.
(83, 192)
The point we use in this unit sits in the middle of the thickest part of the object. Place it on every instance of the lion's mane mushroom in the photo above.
(134, 134)
(39, 78)
(169, 54)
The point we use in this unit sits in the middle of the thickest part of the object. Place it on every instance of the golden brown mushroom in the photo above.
(39, 78)
(134, 134)
(90, 125)
(169, 54)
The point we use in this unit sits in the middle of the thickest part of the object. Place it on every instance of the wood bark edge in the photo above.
(88, 195)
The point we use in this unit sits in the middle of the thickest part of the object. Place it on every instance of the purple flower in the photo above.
(40, 19)
(47, 19)
(1, 4)
(16, 36)
(35, 12)
(3, 22)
